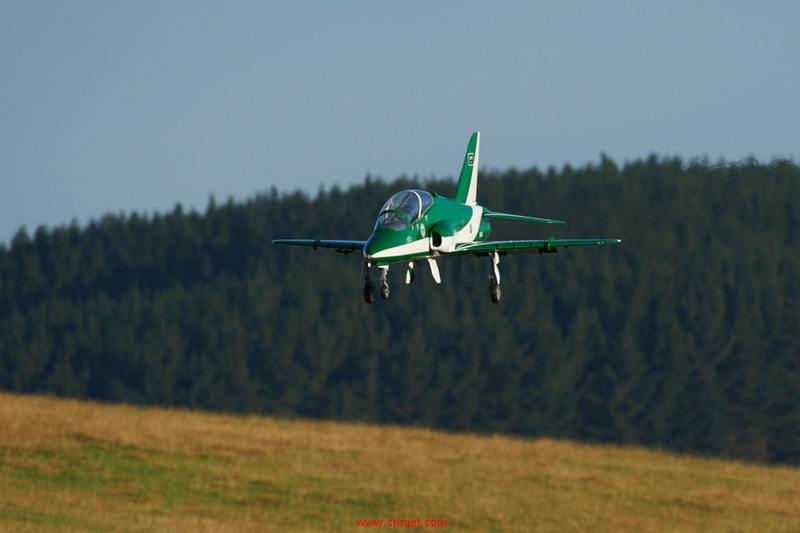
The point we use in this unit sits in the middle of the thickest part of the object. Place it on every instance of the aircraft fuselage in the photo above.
(435, 231)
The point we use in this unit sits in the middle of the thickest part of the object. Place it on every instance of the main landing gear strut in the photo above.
(494, 278)
(384, 283)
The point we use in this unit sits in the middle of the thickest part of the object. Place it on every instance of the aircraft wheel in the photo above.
(369, 293)
(384, 291)
(495, 292)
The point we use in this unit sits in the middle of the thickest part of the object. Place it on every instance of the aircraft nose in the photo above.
(378, 243)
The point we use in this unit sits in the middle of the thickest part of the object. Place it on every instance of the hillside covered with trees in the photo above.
(684, 336)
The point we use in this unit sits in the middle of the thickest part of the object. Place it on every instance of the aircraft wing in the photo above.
(544, 246)
(344, 247)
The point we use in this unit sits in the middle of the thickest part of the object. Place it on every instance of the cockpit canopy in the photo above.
(403, 209)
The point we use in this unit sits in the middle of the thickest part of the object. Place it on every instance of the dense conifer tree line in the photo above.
(683, 336)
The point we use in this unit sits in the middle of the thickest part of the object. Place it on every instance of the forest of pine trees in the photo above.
(684, 336)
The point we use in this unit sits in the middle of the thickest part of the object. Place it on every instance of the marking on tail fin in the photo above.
(468, 180)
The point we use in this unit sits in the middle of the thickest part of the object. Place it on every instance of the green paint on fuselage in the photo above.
(441, 210)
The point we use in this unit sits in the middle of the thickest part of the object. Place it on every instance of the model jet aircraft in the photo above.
(414, 225)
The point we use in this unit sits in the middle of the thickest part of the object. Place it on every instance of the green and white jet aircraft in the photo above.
(414, 225)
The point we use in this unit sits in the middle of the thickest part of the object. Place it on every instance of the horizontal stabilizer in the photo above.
(521, 218)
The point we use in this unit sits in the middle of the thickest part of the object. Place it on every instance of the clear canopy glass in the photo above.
(403, 209)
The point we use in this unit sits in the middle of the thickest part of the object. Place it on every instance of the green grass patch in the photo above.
(88, 467)
(26, 515)
(160, 482)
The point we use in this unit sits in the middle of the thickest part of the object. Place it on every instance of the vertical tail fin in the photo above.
(468, 181)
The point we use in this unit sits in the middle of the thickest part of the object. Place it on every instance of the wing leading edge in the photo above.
(542, 246)
(344, 247)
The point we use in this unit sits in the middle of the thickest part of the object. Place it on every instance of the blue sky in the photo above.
(109, 107)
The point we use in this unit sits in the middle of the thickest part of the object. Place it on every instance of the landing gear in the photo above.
(369, 287)
(384, 283)
(410, 272)
(494, 279)
(495, 292)
(369, 292)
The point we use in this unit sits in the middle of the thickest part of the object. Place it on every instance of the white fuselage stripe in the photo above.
(412, 248)
(421, 247)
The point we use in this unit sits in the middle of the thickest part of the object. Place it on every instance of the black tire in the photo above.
(495, 292)
(369, 293)
(384, 291)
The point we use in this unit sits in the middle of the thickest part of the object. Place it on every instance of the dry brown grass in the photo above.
(67, 465)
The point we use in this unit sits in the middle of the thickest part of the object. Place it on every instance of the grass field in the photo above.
(78, 466)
